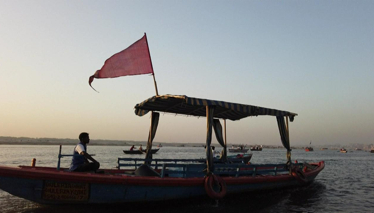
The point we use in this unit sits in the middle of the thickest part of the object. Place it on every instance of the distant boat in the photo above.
(238, 158)
(342, 150)
(139, 151)
(256, 148)
(372, 151)
(240, 149)
(324, 148)
(309, 149)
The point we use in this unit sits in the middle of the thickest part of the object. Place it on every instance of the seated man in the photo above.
(80, 158)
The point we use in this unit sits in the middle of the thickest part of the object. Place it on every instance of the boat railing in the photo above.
(183, 170)
(167, 167)
(232, 170)
(156, 163)
(135, 162)
(249, 170)
(197, 167)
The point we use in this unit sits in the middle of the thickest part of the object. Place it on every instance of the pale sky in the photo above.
(314, 58)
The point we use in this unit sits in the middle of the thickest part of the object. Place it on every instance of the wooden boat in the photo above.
(309, 149)
(240, 158)
(132, 152)
(240, 149)
(143, 180)
(342, 150)
(256, 148)
(372, 151)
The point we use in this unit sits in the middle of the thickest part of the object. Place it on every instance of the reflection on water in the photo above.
(344, 185)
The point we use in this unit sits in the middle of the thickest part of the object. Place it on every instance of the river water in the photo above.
(345, 185)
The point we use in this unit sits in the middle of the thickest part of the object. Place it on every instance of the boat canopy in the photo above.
(213, 111)
(181, 104)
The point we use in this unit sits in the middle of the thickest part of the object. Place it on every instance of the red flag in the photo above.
(134, 60)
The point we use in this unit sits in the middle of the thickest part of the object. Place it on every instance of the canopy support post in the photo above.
(289, 142)
(152, 133)
(209, 154)
(225, 151)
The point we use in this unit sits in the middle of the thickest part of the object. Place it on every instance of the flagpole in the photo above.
(154, 81)
(153, 73)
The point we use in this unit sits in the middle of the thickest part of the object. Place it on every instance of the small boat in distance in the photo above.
(324, 148)
(244, 158)
(342, 150)
(238, 158)
(309, 148)
(131, 152)
(240, 149)
(256, 148)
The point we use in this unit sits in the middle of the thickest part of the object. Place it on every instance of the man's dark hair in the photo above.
(83, 135)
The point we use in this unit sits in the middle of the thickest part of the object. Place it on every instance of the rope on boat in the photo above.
(215, 186)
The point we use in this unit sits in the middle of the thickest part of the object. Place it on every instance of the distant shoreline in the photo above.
(93, 142)
(104, 144)
(6, 140)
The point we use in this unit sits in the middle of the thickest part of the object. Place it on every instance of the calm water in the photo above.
(345, 185)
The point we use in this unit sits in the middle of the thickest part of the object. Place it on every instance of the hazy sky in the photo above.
(314, 58)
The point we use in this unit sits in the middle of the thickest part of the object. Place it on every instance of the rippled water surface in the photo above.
(345, 185)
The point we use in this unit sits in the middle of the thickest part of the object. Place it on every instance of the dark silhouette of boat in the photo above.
(309, 149)
(256, 148)
(131, 152)
(240, 149)
(342, 150)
